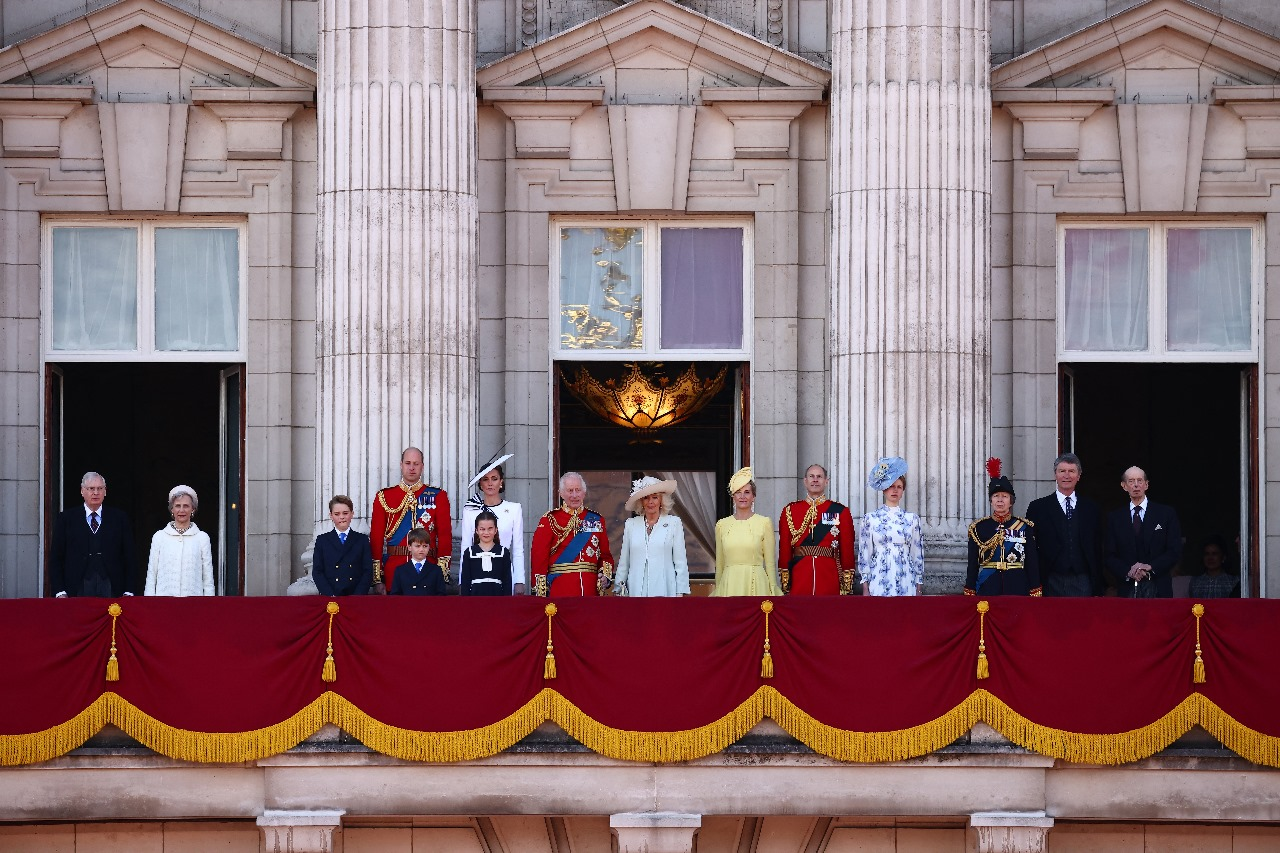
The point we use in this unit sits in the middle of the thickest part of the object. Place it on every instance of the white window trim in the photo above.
(146, 296)
(1157, 292)
(652, 290)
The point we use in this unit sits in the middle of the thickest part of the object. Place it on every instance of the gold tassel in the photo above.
(766, 662)
(329, 672)
(1197, 668)
(984, 671)
(113, 665)
(549, 665)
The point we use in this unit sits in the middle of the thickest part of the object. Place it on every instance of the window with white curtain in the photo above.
(1167, 291)
(633, 288)
(160, 290)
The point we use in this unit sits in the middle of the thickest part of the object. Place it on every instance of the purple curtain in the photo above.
(701, 288)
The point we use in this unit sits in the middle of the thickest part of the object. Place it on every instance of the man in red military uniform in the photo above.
(400, 508)
(815, 542)
(570, 555)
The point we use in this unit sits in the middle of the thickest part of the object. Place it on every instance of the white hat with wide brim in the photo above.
(487, 468)
(645, 486)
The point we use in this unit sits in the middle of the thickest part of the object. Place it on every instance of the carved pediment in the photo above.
(1161, 51)
(654, 52)
(146, 50)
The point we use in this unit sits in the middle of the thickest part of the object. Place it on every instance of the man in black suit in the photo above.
(1144, 542)
(342, 561)
(92, 551)
(1068, 534)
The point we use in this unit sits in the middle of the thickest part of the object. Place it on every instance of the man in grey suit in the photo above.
(92, 552)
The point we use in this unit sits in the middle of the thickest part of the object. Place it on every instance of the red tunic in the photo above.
(395, 513)
(816, 548)
(570, 555)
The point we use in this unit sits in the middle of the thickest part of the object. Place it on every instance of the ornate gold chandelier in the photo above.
(645, 403)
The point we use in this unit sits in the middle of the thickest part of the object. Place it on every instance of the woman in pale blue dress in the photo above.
(890, 540)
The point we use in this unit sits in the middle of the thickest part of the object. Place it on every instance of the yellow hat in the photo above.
(740, 479)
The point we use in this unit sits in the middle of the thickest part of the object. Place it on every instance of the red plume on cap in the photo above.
(993, 467)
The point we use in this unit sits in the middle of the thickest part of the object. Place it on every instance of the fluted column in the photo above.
(396, 268)
(910, 199)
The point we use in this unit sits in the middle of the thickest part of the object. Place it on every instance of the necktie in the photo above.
(342, 537)
(1071, 509)
(93, 522)
(417, 566)
(1137, 521)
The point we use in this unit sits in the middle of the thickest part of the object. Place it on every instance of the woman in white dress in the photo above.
(181, 561)
(890, 540)
(652, 560)
(493, 485)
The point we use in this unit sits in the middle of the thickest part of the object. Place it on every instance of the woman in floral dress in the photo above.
(890, 540)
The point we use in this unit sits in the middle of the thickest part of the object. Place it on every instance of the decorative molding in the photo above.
(1161, 150)
(318, 831)
(1259, 108)
(543, 116)
(255, 131)
(652, 146)
(655, 832)
(133, 183)
(1011, 832)
(1051, 118)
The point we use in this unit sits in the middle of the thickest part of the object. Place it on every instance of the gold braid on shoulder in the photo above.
(806, 523)
(988, 547)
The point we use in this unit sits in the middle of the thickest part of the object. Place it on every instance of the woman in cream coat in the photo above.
(652, 561)
(181, 561)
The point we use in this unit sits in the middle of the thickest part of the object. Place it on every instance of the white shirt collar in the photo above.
(1062, 499)
(88, 511)
(1142, 506)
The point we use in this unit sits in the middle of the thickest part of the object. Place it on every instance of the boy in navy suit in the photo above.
(419, 576)
(342, 562)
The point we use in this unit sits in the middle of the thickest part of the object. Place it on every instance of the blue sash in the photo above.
(580, 539)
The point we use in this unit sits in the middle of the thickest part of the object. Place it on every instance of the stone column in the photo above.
(396, 262)
(317, 831)
(910, 199)
(1011, 832)
(655, 832)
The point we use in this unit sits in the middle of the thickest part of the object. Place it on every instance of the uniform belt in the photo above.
(815, 551)
(569, 568)
(1003, 566)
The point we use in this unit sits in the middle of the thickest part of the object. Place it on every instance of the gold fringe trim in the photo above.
(548, 704)
(658, 746)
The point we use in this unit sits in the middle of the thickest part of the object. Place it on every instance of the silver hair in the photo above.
(1070, 459)
(92, 475)
(581, 479)
(195, 502)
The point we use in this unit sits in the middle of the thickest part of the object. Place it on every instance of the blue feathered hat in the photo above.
(886, 470)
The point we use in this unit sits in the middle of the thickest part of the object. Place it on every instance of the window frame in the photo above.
(1157, 349)
(145, 349)
(651, 289)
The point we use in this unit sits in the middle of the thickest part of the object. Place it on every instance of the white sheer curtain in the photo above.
(1107, 271)
(1210, 285)
(197, 289)
(696, 504)
(94, 283)
(601, 284)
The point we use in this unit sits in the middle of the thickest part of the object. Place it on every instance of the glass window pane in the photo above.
(1106, 289)
(197, 289)
(1210, 289)
(701, 288)
(94, 279)
(601, 283)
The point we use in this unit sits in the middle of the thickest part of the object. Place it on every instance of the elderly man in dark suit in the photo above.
(1144, 541)
(92, 552)
(342, 562)
(1068, 534)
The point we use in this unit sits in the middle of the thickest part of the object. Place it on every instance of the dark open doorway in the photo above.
(1190, 427)
(146, 428)
(699, 453)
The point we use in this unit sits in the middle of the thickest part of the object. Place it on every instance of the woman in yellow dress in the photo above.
(745, 551)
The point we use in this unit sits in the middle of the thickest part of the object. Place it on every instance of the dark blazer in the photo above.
(430, 581)
(1161, 548)
(1051, 536)
(342, 568)
(74, 545)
